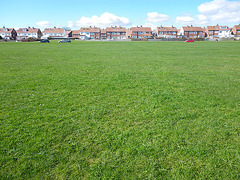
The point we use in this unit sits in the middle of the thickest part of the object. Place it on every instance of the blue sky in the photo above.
(75, 13)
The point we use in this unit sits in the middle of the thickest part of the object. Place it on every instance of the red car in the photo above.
(189, 40)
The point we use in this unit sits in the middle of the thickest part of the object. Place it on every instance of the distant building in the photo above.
(140, 32)
(26, 33)
(218, 32)
(8, 33)
(54, 33)
(116, 32)
(103, 34)
(68, 33)
(166, 32)
(192, 32)
(236, 30)
(76, 34)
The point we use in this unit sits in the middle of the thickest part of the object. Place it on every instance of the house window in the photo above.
(139, 32)
(195, 32)
(220, 31)
(92, 33)
(113, 33)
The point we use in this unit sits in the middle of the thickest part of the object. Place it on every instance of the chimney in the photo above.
(191, 25)
(141, 25)
(54, 27)
(217, 24)
(172, 26)
(3, 26)
(161, 26)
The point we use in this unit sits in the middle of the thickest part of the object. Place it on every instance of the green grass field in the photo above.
(120, 110)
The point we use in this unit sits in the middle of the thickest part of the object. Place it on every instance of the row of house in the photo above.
(121, 33)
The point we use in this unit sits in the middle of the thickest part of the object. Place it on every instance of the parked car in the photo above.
(189, 40)
(65, 41)
(44, 41)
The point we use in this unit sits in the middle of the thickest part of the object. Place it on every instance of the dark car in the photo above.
(44, 41)
(65, 41)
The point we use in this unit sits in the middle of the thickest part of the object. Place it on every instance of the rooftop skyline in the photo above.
(76, 14)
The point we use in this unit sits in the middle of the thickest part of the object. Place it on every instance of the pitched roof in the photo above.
(148, 29)
(53, 30)
(8, 30)
(29, 30)
(76, 32)
(115, 29)
(68, 31)
(103, 31)
(217, 28)
(90, 29)
(167, 28)
(191, 28)
(237, 27)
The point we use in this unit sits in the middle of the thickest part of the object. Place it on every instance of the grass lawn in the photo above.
(120, 110)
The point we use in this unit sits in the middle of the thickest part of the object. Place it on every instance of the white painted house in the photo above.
(8, 33)
(26, 33)
(54, 33)
(224, 32)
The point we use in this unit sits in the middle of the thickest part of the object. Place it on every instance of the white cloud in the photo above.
(184, 20)
(219, 11)
(44, 23)
(153, 26)
(154, 17)
(106, 19)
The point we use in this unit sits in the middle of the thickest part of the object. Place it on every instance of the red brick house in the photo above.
(116, 33)
(90, 32)
(170, 32)
(140, 32)
(103, 34)
(236, 30)
(192, 32)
